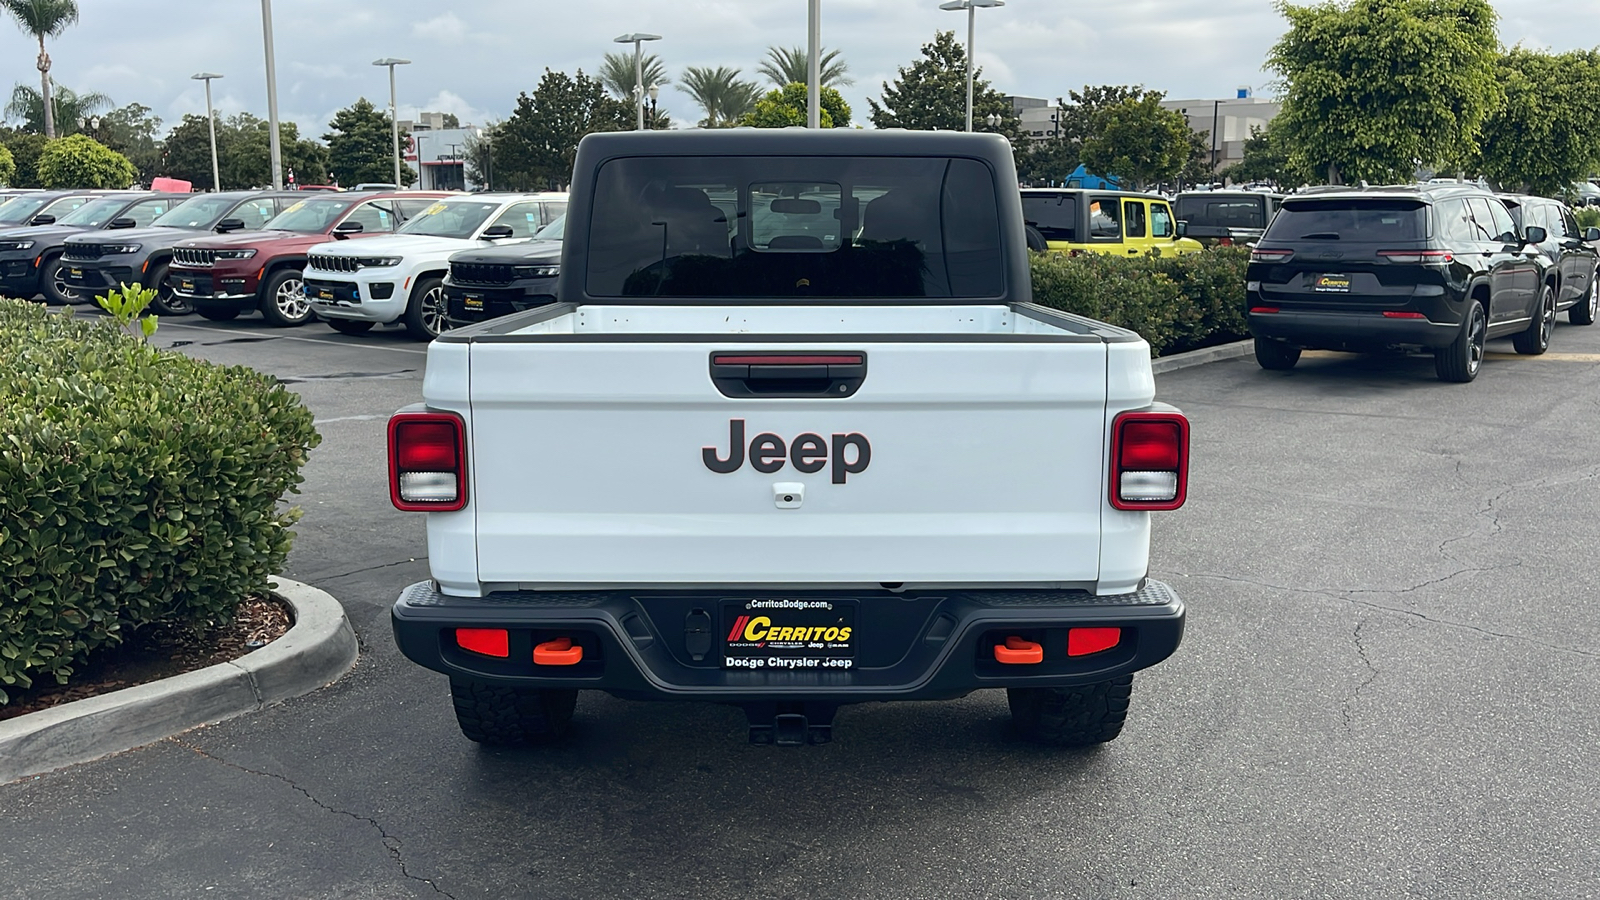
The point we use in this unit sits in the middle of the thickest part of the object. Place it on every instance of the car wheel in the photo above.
(218, 313)
(55, 288)
(166, 303)
(1461, 361)
(1536, 339)
(283, 301)
(1276, 355)
(1587, 309)
(1079, 716)
(511, 717)
(427, 315)
(349, 326)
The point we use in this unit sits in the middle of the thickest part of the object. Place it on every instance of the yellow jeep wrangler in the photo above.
(1116, 223)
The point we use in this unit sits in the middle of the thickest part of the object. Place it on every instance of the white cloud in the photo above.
(446, 29)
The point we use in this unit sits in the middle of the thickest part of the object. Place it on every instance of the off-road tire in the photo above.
(166, 303)
(1585, 311)
(511, 717)
(1276, 355)
(349, 326)
(1463, 359)
(55, 291)
(1079, 716)
(218, 313)
(283, 302)
(1536, 339)
(427, 314)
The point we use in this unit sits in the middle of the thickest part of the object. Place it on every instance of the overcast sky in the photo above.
(472, 58)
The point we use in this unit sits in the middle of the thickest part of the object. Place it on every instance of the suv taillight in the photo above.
(1149, 460)
(1418, 257)
(1260, 255)
(427, 462)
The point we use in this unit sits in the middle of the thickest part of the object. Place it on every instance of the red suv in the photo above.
(225, 275)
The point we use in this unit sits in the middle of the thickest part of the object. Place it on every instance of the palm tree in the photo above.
(66, 106)
(720, 93)
(788, 65)
(616, 73)
(42, 19)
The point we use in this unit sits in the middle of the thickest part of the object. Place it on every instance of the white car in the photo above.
(354, 285)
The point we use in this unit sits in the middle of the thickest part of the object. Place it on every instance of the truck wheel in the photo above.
(349, 326)
(166, 303)
(1536, 339)
(1584, 312)
(56, 290)
(283, 300)
(1072, 716)
(218, 313)
(1276, 355)
(511, 717)
(1461, 361)
(427, 314)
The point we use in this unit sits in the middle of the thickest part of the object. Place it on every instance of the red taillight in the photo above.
(487, 641)
(1261, 255)
(1149, 460)
(427, 462)
(1418, 257)
(1396, 314)
(1086, 641)
(1263, 309)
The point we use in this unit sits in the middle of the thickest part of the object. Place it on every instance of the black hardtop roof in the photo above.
(1236, 193)
(1098, 192)
(793, 142)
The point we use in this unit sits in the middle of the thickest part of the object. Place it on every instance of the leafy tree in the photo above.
(535, 148)
(244, 157)
(787, 65)
(1377, 88)
(1543, 138)
(132, 131)
(479, 154)
(617, 76)
(70, 110)
(720, 93)
(25, 150)
(43, 19)
(931, 94)
(451, 120)
(1265, 159)
(791, 106)
(1138, 140)
(361, 146)
(78, 161)
(8, 166)
(1055, 158)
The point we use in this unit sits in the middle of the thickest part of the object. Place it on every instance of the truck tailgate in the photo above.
(592, 463)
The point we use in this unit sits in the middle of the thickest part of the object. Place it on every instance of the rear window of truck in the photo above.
(1232, 212)
(1350, 219)
(794, 227)
(1055, 215)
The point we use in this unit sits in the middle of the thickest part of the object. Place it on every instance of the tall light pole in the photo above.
(814, 65)
(272, 97)
(972, 7)
(637, 39)
(394, 118)
(211, 122)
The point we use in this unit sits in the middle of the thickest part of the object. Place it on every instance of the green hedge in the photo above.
(1176, 303)
(136, 485)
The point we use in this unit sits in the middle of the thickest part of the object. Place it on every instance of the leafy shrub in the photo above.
(8, 166)
(79, 161)
(1175, 303)
(1588, 216)
(136, 485)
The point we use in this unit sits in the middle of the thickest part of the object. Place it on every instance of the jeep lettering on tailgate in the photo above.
(809, 453)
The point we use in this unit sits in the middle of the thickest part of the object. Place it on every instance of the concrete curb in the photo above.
(1201, 357)
(316, 651)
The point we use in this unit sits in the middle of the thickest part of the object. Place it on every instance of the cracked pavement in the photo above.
(1387, 688)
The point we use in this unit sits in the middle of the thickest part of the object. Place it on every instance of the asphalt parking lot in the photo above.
(1387, 689)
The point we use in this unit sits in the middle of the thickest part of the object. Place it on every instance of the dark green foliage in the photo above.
(535, 148)
(361, 147)
(787, 107)
(244, 156)
(136, 485)
(25, 150)
(931, 94)
(1175, 303)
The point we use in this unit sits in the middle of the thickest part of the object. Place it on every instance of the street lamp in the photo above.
(394, 119)
(211, 123)
(814, 64)
(275, 149)
(972, 7)
(994, 120)
(637, 39)
(655, 92)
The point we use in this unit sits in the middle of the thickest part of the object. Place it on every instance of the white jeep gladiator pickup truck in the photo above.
(793, 436)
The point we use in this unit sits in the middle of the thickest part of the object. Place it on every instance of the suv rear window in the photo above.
(1221, 212)
(1350, 219)
(1055, 215)
(794, 227)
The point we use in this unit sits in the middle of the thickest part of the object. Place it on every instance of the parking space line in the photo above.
(291, 337)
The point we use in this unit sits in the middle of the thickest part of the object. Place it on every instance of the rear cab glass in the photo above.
(1055, 215)
(1221, 212)
(1367, 219)
(795, 228)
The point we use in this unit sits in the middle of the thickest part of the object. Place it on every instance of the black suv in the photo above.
(30, 258)
(1571, 250)
(1441, 267)
(489, 282)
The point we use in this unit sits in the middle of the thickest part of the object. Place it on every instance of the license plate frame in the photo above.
(473, 303)
(1331, 283)
(325, 294)
(789, 634)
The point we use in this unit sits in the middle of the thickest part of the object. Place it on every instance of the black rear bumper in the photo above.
(925, 645)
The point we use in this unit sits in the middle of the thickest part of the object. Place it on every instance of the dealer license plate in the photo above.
(75, 273)
(789, 634)
(186, 285)
(1332, 284)
(473, 302)
(324, 294)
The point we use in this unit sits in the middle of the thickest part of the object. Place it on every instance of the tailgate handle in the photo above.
(788, 373)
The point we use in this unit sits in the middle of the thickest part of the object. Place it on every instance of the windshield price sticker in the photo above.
(788, 634)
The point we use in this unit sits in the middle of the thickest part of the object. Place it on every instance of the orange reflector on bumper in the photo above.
(1084, 641)
(1018, 652)
(559, 652)
(488, 641)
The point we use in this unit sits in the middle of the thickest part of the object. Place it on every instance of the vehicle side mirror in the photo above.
(1183, 228)
(122, 222)
(345, 229)
(495, 232)
(42, 220)
(227, 225)
(1534, 235)
(1591, 235)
